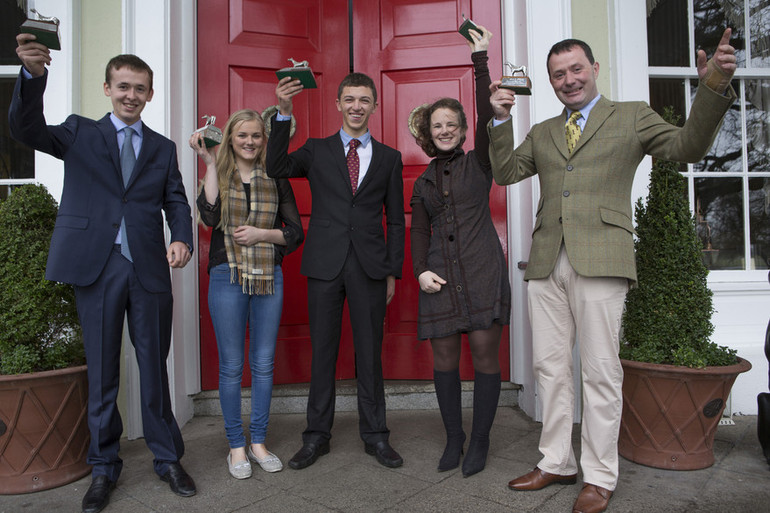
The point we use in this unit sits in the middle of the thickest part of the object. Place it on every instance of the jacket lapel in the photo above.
(338, 158)
(150, 141)
(111, 140)
(599, 114)
(374, 165)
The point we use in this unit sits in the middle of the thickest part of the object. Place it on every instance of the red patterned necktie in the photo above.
(353, 163)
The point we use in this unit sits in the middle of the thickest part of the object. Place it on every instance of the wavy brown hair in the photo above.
(422, 123)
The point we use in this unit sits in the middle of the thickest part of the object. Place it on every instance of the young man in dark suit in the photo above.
(346, 255)
(109, 243)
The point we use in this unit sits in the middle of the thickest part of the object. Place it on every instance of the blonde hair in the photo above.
(226, 163)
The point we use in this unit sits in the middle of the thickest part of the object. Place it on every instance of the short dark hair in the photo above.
(127, 60)
(565, 46)
(357, 80)
(422, 123)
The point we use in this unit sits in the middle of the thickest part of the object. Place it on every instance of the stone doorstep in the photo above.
(399, 395)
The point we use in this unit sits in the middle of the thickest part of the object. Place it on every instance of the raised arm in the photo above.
(483, 107)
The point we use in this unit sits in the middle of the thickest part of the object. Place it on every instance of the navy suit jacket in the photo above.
(94, 199)
(339, 218)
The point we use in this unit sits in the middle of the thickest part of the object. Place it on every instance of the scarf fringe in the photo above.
(252, 284)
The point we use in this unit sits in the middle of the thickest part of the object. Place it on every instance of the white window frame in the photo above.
(63, 80)
(723, 279)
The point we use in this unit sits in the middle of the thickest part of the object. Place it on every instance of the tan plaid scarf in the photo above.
(252, 265)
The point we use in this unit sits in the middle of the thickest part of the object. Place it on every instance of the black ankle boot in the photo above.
(486, 393)
(450, 403)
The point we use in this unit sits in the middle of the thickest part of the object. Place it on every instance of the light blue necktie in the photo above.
(127, 161)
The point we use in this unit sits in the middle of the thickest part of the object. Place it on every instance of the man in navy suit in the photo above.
(109, 243)
(347, 254)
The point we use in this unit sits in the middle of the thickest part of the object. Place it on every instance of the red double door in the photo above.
(413, 52)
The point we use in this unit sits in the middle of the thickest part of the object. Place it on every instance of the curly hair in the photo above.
(422, 123)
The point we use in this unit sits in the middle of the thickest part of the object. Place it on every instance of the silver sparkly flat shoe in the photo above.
(241, 470)
(269, 463)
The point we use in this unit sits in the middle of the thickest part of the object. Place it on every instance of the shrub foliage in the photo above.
(667, 318)
(39, 328)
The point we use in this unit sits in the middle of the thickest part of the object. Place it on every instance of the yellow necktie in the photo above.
(573, 130)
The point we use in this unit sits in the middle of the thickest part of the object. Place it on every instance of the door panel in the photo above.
(240, 45)
(414, 62)
(411, 61)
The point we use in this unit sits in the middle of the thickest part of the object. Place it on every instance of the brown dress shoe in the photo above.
(538, 479)
(592, 499)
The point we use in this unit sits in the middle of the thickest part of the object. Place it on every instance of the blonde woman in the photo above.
(256, 223)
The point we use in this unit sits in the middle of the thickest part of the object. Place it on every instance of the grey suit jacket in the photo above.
(585, 197)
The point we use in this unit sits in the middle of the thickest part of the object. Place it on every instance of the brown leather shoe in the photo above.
(592, 499)
(538, 479)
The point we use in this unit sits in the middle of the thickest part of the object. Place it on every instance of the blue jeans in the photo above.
(231, 310)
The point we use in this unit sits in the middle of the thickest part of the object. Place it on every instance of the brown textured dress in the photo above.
(453, 235)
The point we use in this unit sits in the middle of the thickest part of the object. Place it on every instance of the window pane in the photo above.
(666, 92)
(757, 99)
(712, 17)
(759, 229)
(719, 212)
(725, 154)
(16, 160)
(667, 34)
(11, 17)
(759, 25)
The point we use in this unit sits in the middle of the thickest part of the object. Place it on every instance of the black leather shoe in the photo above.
(385, 454)
(98, 495)
(180, 481)
(307, 455)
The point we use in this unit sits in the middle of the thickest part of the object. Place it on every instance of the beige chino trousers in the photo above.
(560, 307)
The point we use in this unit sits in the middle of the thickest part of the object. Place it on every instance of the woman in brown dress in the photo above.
(459, 263)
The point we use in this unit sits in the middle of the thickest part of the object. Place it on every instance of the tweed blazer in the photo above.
(585, 198)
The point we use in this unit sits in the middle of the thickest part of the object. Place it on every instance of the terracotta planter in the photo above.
(671, 413)
(43, 429)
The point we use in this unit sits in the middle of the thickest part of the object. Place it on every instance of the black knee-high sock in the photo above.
(486, 393)
(448, 394)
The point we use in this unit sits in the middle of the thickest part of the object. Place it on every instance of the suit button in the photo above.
(565, 194)
(451, 238)
(570, 168)
(351, 228)
(459, 288)
(449, 219)
(446, 194)
(560, 220)
(446, 172)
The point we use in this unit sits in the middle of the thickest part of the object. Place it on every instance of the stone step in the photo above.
(399, 395)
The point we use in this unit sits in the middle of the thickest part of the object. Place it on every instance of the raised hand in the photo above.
(286, 89)
(33, 55)
(208, 155)
(502, 100)
(717, 72)
(480, 42)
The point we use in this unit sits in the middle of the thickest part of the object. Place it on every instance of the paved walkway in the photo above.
(348, 480)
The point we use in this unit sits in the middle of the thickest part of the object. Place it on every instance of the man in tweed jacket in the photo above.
(582, 257)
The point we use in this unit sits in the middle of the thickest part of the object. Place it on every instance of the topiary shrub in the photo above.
(667, 317)
(39, 328)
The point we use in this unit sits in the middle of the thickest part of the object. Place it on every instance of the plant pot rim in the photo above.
(42, 374)
(737, 368)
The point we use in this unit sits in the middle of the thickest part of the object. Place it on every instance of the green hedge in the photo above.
(39, 328)
(668, 316)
